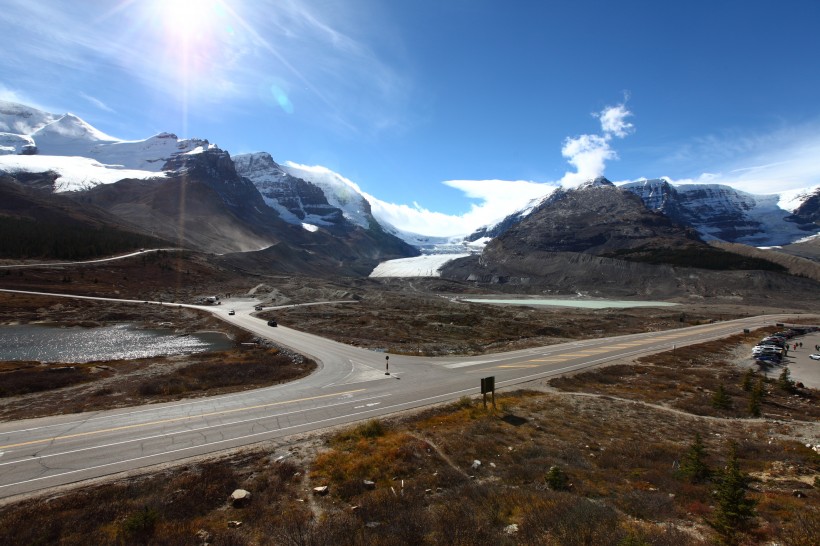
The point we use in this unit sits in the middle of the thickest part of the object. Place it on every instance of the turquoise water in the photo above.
(119, 342)
(581, 304)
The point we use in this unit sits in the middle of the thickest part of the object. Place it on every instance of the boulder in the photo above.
(240, 498)
(321, 490)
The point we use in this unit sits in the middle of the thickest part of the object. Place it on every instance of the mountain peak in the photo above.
(72, 127)
(596, 182)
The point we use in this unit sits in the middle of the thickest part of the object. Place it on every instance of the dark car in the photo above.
(272, 323)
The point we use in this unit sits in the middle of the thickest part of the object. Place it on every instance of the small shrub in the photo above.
(721, 400)
(371, 429)
(556, 479)
(141, 525)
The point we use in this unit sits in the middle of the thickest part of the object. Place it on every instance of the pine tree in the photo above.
(721, 400)
(761, 388)
(748, 379)
(733, 511)
(692, 465)
(785, 380)
(754, 402)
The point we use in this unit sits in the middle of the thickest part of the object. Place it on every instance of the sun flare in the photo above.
(189, 21)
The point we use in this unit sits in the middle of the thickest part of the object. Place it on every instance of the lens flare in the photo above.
(281, 98)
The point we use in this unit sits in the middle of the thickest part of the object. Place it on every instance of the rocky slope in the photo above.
(723, 213)
(297, 201)
(597, 218)
(600, 240)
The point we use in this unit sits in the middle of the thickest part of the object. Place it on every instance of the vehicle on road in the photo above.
(272, 323)
(231, 312)
(815, 356)
(257, 308)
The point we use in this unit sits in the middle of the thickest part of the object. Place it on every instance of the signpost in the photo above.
(488, 385)
(386, 365)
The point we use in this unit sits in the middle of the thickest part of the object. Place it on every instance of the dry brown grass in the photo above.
(95, 386)
(688, 377)
(400, 321)
(619, 458)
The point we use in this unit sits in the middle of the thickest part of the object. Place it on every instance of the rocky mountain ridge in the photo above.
(189, 192)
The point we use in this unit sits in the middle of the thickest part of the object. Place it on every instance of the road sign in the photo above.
(488, 385)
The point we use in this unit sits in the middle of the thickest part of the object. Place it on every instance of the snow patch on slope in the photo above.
(21, 119)
(75, 173)
(421, 266)
(339, 191)
(11, 143)
(792, 199)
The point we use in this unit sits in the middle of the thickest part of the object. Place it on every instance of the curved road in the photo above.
(351, 384)
(101, 260)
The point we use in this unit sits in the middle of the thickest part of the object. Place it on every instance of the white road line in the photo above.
(187, 430)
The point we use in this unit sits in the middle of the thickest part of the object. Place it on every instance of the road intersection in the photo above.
(351, 384)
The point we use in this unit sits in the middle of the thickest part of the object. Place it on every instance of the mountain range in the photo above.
(194, 194)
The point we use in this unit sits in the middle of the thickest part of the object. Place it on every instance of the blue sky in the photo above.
(445, 110)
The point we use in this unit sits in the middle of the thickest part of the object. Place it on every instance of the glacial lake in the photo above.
(581, 304)
(119, 342)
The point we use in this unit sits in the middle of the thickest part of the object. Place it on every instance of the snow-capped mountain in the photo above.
(716, 212)
(724, 213)
(82, 155)
(339, 191)
(296, 200)
(21, 119)
(71, 136)
(189, 191)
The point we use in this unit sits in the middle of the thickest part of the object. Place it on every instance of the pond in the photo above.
(118, 342)
(578, 303)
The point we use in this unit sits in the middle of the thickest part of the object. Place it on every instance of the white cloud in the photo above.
(613, 120)
(589, 153)
(781, 160)
(500, 198)
(497, 199)
(15, 95)
(96, 102)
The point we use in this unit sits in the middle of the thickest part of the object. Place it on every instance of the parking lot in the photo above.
(803, 369)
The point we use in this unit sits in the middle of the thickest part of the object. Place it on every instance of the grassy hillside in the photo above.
(699, 257)
(23, 238)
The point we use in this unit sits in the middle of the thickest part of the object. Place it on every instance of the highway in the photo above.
(351, 384)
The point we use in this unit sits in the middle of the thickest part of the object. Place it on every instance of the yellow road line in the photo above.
(555, 359)
(173, 420)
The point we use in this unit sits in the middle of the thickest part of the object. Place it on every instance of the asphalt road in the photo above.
(351, 384)
(100, 260)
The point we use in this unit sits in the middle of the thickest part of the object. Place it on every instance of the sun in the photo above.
(188, 22)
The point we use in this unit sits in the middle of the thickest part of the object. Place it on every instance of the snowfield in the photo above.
(420, 266)
(76, 173)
